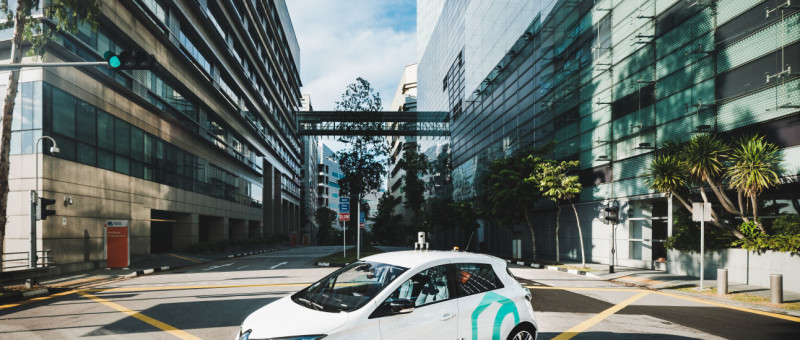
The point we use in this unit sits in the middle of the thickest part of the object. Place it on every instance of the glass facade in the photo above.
(612, 80)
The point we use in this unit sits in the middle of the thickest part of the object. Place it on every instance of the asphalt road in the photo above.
(209, 301)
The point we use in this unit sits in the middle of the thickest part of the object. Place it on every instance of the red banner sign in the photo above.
(117, 255)
(344, 216)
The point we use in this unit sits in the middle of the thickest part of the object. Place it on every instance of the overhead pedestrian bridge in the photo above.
(374, 123)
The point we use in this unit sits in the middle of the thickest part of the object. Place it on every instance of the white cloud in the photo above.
(345, 39)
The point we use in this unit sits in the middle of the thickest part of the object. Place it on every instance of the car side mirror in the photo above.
(401, 306)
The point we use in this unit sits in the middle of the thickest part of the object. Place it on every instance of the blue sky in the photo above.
(341, 40)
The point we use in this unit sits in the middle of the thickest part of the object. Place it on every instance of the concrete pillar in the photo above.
(185, 231)
(278, 202)
(255, 229)
(268, 199)
(218, 228)
(238, 229)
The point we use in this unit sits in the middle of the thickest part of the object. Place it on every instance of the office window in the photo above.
(63, 113)
(105, 131)
(87, 123)
(122, 135)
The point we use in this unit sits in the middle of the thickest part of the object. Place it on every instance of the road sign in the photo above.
(344, 207)
(344, 216)
(344, 199)
(701, 212)
(361, 225)
(361, 217)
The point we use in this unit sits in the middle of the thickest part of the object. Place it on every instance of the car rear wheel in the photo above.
(522, 332)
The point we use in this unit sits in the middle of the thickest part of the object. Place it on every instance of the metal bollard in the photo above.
(722, 282)
(776, 288)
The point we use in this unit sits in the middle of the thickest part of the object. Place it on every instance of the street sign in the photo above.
(361, 217)
(344, 216)
(344, 199)
(701, 212)
(344, 207)
(361, 225)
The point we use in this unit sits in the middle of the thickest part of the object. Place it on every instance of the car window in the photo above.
(349, 288)
(474, 278)
(425, 287)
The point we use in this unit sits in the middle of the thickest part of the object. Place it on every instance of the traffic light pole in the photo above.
(6, 67)
(32, 258)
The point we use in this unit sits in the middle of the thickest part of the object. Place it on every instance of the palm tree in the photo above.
(755, 167)
(667, 175)
(558, 187)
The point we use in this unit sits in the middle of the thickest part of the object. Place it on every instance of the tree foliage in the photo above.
(387, 230)
(65, 16)
(749, 165)
(324, 217)
(558, 187)
(362, 162)
(415, 166)
(507, 197)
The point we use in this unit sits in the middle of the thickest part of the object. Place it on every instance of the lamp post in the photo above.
(32, 259)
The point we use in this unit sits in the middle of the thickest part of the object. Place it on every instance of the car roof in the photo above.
(416, 258)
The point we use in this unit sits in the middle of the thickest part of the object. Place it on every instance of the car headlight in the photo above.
(245, 335)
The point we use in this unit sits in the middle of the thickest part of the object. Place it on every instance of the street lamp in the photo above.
(32, 259)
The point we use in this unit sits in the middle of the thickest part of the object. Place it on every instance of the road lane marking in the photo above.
(278, 265)
(153, 322)
(242, 267)
(218, 266)
(599, 317)
(186, 258)
(742, 309)
(585, 288)
(135, 289)
(25, 302)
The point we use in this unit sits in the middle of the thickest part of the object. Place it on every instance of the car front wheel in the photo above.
(522, 332)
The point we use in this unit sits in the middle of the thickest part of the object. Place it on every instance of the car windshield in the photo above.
(348, 288)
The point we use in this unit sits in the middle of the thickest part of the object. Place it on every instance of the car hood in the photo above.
(287, 318)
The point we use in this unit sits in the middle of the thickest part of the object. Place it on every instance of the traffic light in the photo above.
(43, 211)
(612, 215)
(130, 60)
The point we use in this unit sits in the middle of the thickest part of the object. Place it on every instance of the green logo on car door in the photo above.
(506, 307)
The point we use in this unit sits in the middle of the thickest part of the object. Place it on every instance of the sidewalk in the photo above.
(686, 285)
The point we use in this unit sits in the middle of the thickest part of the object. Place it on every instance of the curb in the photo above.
(554, 268)
(166, 268)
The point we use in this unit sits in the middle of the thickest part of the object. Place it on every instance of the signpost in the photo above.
(344, 215)
(701, 212)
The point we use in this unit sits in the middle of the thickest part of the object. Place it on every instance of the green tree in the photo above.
(507, 197)
(755, 168)
(324, 217)
(33, 33)
(415, 166)
(556, 186)
(362, 163)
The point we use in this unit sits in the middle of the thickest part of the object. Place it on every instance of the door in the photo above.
(486, 311)
(435, 313)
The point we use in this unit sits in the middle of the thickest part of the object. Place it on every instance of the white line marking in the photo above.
(277, 265)
(219, 266)
(241, 267)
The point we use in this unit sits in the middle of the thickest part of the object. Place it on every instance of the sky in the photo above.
(341, 40)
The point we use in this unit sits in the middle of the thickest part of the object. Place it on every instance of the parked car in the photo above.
(403, 295)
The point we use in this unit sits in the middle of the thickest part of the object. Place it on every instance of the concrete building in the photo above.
(328, 180)
(610, 81)
(404, 100)
(201, 148)
(310, 180)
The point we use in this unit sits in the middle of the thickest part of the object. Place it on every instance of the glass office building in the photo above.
(611, 81)
(200, 148)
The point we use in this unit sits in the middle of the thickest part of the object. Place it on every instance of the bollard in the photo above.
(776, 288)
(722, 282)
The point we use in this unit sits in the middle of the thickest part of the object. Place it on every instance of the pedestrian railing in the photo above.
(21, 260)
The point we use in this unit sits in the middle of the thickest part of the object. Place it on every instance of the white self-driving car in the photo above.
(403, 295)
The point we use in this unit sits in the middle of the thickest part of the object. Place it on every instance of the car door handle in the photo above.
(447, 316)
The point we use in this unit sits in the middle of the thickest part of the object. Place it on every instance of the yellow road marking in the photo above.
(599, 317)
(135, 289)
(640, 280)
(158, 324)
(774, 315)
(186, 258)
(25, 302)
(585, 288)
